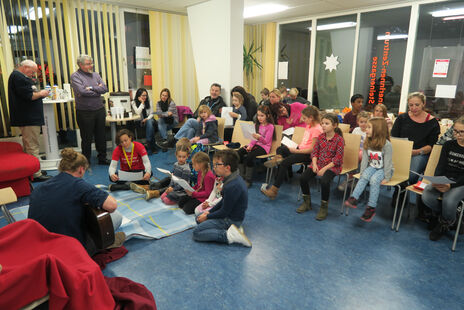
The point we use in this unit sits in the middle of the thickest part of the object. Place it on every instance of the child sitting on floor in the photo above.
(132, 157)
(213, 198)
(204, 185)
(221, 223)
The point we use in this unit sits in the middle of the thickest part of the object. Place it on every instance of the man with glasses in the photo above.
(220, 224)
(88, 89)
(192, 125)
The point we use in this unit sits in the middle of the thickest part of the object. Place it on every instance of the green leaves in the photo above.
(249, 59)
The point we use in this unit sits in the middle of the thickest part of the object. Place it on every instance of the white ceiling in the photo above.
(298, 8)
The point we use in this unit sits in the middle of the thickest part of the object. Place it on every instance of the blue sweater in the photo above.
(234, 202)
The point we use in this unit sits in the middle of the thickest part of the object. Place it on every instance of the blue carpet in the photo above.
(297, 262)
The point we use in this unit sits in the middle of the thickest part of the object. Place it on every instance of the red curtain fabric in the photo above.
(36, 263)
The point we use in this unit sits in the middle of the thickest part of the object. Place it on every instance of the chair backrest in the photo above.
(298, 134)
(433, 161)
(344, 127)
(351, 151)
(221, 124)
(443, 129)
(237, 135)
(276, 143)
(402, 150)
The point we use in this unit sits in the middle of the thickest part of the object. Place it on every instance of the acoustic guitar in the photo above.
(99, 225)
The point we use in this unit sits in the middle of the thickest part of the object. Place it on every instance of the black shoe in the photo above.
(440, 229)
(44, 172)
(42, 178)
(105, 162)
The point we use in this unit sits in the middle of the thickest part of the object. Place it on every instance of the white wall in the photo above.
(216, 29)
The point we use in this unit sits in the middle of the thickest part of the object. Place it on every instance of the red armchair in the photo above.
(16, 168)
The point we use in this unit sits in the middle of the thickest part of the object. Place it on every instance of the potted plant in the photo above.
(249, 62)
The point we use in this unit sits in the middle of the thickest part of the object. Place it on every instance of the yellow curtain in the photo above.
(172, 58)
(264, 36)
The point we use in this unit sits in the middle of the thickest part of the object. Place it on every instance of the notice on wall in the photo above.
(142, 57)
(440, 69)
(283, 70)
(445, 91)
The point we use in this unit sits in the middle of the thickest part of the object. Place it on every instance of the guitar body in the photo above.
(99, 226)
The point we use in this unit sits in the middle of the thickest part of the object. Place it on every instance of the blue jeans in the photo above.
(150, 131)
(373, 176)
(188, 130)
(214, 230)
(163, 127)
(447, 207)
(418, 163)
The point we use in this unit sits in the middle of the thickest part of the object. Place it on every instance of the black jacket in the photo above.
(214, 105)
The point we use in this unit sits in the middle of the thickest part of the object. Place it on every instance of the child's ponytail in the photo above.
(334, 120)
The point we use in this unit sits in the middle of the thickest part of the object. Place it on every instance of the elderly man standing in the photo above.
(26, 109)
(88, 87)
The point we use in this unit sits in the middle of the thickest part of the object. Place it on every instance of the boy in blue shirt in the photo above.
(221, 223)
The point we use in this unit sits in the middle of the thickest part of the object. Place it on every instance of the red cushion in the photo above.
(17, 165)
(9, 147)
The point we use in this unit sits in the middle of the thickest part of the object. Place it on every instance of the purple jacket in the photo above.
(88, 99)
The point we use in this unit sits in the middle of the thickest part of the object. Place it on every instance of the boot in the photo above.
(440, 229)
(271, 192)
(248, 176)
(306, 205)
(276, 160)
(322, 214)
(163, 183)
(118, 187)
(141, 189)
(241, 169)
(152, 194)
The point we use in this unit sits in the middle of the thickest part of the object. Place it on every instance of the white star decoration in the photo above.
(331, 62)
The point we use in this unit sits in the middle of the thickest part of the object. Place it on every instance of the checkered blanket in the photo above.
(142, 219)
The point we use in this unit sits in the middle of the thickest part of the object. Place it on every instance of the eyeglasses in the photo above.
(458, 132)
(218, 164)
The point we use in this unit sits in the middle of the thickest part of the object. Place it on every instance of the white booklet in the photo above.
(435, 180)
(248, 129)
(164, 171)
(182, 183)
(130, 176)
(289, 131)
(288, 143)
(225, 114)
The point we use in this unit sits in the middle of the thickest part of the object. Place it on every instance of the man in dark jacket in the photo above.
(26, 109)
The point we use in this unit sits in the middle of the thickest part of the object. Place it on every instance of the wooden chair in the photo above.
(345, 128)
(429, 171)
(461, 211)
(275, 144)
(350, 161)
(237, 136)
(7, 195)
(221, 124)
(402, 150)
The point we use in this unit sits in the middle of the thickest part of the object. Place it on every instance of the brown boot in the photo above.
(141, 189)
(152, 194)
(271, 192)
(276, 160)
(306, 205)
(322, 214)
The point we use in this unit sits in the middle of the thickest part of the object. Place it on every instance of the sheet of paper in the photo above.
(440, 69)
(283, 70)
(289, 131)
(130, 176)
(435, 180)
(445, 91)
(182, 183)
(288, 143)
(164, 171)
(225, 114)
(248, 129)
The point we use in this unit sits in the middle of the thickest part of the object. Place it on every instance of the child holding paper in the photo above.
(214, 197)
(287, 156)
(203, 187)
(132, 157)
(259, 145)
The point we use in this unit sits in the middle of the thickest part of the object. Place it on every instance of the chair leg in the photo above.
(402, 208)
(344, 194)
(458, 227)
(9, 217)
(396, 208)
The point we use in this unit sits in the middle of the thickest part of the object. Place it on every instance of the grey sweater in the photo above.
(387, 153)
(88, 99)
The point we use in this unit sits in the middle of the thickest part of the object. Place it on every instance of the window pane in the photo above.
(440, 38)
(382, 45)
(334, 61)
(294, 47)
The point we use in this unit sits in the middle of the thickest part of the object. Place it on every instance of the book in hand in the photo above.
(164, 171)
(182, 183)
(439, 180)
(289, 143)
(248, 129)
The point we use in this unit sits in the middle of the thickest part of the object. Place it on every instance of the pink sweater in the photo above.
(265, 140)
(295, 116)
(208, 184)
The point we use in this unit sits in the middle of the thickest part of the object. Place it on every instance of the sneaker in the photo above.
(351, 202)
(138, 189)
(368, 214)
(234, 235)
